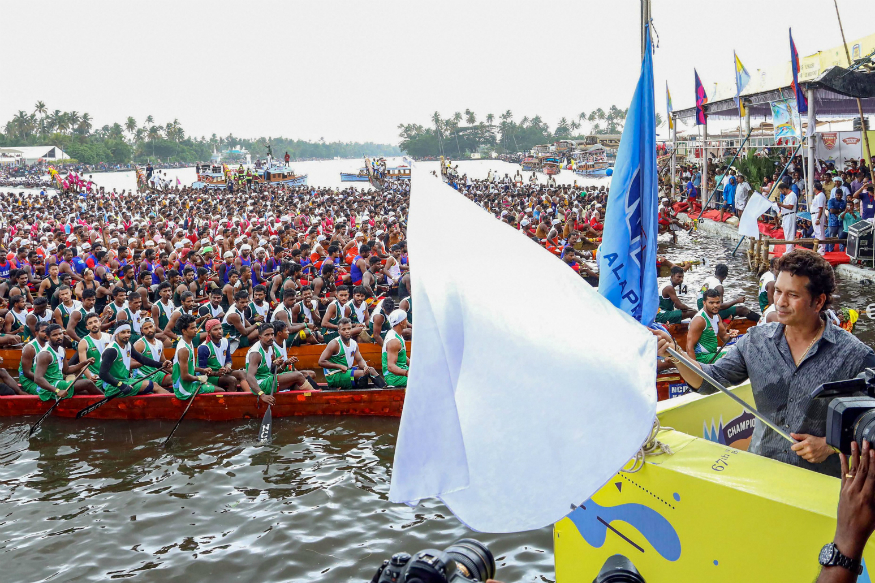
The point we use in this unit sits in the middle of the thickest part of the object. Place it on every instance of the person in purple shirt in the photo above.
(866, 196)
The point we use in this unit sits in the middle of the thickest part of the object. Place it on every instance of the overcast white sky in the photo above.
(352, 70)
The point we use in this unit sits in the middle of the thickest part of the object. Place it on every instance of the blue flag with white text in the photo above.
(627, 259)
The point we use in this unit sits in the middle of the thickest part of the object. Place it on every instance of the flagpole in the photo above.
(859, 103)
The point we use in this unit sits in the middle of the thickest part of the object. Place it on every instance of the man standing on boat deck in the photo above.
(788, 214)
(786, 360)
(115, 366)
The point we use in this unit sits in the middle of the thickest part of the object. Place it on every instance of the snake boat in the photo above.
(218, 406)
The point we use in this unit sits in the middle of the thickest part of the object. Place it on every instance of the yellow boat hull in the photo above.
(709, 511)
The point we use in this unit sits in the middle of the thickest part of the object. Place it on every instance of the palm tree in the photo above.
(524, 121)
(64, 122)
(582, 116)
(470, 118)
(73, 119)
(436, 118)
(490, 118)
(154, 134)
(149, 121)
(457, 117)
(131, 126)
(21, 122)
(574, 127)
(40, 108)
(84, 125)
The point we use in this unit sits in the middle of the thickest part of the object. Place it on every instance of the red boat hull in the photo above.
(219, 406)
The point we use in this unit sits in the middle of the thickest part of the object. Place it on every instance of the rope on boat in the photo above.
(652, 447)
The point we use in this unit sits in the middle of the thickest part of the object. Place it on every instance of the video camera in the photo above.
(465, 561)
(851, 412)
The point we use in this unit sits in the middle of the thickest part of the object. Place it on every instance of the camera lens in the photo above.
(864, 428)
(474, 557)
(618, 569)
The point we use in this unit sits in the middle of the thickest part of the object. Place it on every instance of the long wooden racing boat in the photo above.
(308, 356)
(218, 406)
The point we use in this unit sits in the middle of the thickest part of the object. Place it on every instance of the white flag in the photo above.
(756, 205)
(528, 390)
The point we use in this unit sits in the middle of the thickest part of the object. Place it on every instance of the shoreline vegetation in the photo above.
(121, 143)
(462, 134)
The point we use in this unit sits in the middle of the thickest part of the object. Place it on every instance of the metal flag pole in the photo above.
(784, 171)
(771, 424)
(716, 186)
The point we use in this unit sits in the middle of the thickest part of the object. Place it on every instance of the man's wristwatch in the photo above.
(831, 556)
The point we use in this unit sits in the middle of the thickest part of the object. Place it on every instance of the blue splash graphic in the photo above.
(658, 531)
(864, 576)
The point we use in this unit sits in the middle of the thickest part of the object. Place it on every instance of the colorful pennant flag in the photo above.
(701, 100)
(742, 78)
(668, 107)
(801, 101)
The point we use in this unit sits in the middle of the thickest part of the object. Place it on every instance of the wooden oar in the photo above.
(264, 433)
(35, 427)
(106, 400)
(187, 407)
(716, 354)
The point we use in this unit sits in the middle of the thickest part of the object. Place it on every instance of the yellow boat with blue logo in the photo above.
(705, 510)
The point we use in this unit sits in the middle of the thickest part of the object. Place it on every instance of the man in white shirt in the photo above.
(788, 213)
(840, 185)
(742, 192)
(819, 215)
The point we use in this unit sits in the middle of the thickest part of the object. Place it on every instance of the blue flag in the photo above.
(627, 259)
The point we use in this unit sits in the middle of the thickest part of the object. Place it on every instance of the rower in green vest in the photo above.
(162, 308)
(671, 309)
(214, 359)
(379, 324)
(343, 364)
(706, 327)
(51, 366)
(77, 318)
(767, 285)
(118, 303)
(149, 345)
(115, 367)
(130, 315)
(395, 361)
(263, 363)
(406, 304)
(185, 381)
(92, 345)
(16, 318)
(66, 306)
(333, 313)
(235, 328)
(27, 364)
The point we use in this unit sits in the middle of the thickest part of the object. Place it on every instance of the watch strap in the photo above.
(837, 559)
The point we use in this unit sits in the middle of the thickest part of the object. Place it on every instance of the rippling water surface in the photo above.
(93, 500)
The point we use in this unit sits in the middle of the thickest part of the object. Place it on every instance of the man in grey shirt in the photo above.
(786, 360)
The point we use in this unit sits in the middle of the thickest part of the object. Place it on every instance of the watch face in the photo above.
(826, 554)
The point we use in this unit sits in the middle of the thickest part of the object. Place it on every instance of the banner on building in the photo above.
(839, 147)
(785, 120)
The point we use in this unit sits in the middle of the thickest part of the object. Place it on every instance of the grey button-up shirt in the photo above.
(782, 391)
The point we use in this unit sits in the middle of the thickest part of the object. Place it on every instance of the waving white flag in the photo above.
(756, 205)
(527, 390)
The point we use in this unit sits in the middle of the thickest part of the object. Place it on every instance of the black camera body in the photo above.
(465, 561)
(850, 414)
